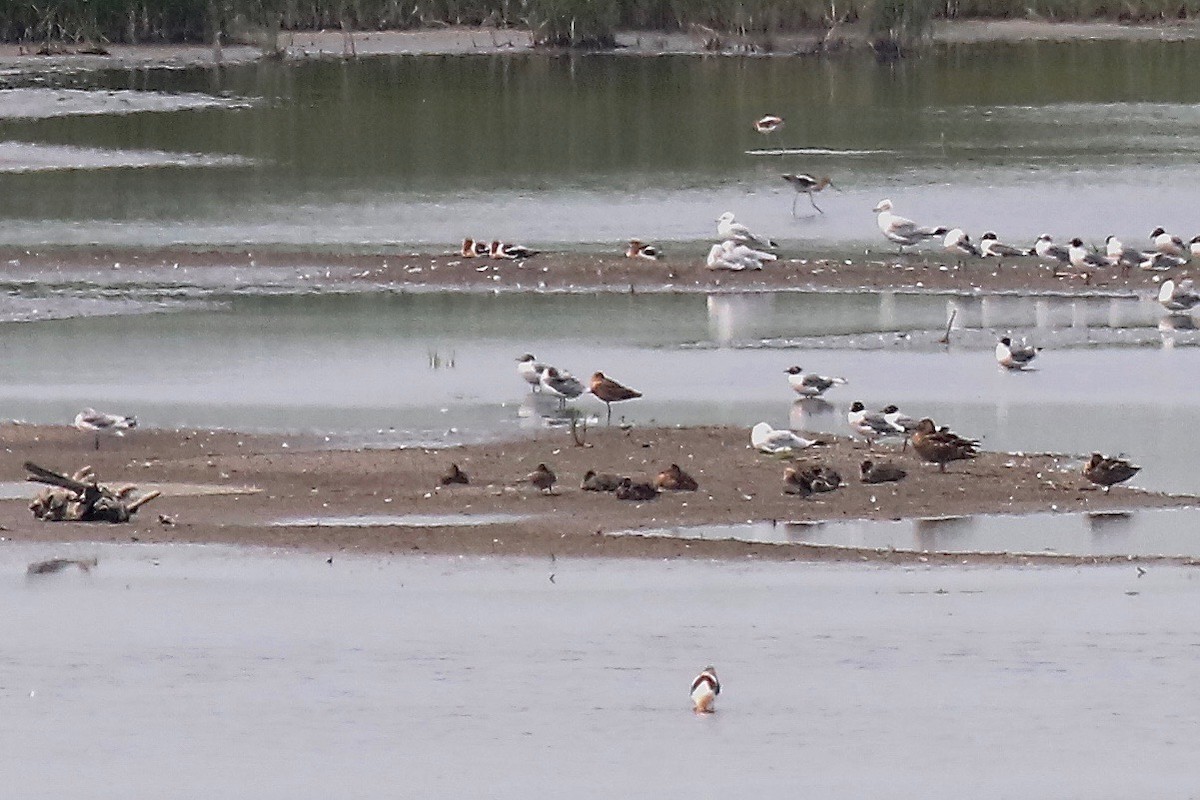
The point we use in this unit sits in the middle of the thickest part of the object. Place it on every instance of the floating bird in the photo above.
(674, 479)
(807, 384)
(903, 424)
(1047, 250)
(91, 421)
(55, 565)
(871, 425)
(902, 231)
(600, 481)
(1014, 357)
(472, 248)
(638, 249)
(636, 492)
(1167, 244)
(510, 251)
(530, 370)
(561, 384)
(1108, 471)
(870, 472)
(1083, 258)
(796, 483)
(705, 689)
(609, 391)
(768, 124)
(743, 256)
(990, 246)
(728, 229)
(454, 475)
(766, 439)
(941, 446)
(959, 243)
(807, 184)
(542, 478)
(1121, 256)
(1178, 298)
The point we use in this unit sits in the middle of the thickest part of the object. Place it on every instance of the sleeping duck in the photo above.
(1108, 471)
(941, 446)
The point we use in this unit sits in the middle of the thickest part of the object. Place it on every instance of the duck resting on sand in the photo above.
(1108, 471)
(674, 479)
(941, 446)
(870, 472)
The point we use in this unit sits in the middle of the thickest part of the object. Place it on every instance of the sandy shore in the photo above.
(247, 483)
(678, 271)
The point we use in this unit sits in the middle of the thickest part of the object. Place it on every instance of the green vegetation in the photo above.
(573, 23)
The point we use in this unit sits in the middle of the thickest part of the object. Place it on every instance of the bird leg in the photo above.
(97, 441)
(608, 405)
(814, 203)
(795, 197)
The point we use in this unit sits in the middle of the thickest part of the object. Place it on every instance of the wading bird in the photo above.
(809, 185)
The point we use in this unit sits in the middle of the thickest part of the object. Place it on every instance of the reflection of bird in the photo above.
(530, 369)
(609, 391)
(1166, 243)
(96, 422)
(637, 249)
(454, 475)
(705, 689)
(674, 479)
(807, 184)
(727, 228)
(600, 481)
(637, 492)
(1108, 471)
(768, 124)
(1047, 250)
(542, 478)
(1012, 356)
(808, 384)
(1177, 298)
(871, 472)
(794, 482)
(989, 245)
(941, 446)
(766, 439)
(561, 384)
(901, 230)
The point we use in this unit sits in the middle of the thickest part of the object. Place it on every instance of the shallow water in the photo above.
(548, 149)
(1171, 532)
(460, 677)
(401, 520)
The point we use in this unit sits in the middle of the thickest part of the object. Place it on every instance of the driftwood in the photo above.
(80, 498)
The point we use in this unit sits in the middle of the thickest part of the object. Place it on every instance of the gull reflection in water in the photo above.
(935, 533)
(540, 410)
(1107, 523)
(801, 417)
(732, 317)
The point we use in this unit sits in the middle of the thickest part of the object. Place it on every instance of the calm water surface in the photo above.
(478, 677)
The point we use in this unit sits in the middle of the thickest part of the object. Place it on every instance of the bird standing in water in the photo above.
(609, 391)
(809, 185)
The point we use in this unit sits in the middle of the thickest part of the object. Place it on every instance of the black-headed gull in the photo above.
(1047, 250)
(530, 370)
(561, 384)
(809, 384)
(991, 246)
(1178, 298)
(728, 228)
(1121, 256)
(1082, 257)
(870, 425)
(1014, 356)
(1166, 243)
(958, 242)
(902, 231)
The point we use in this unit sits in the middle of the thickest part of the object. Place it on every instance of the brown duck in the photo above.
(542, 478)
(822, 479)
(795, 482)
(871, 472)
(1108, 471)
(454, 475)
(941, 446)
(637, 492)
(609, 391)
(674, 479)
(600, 481)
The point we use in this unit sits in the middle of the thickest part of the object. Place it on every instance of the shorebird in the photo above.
(674, 479)
(1166, 243)
(91, 421)
(745, 257)
(638, 249)
(561, 384)
(990, 246)
(809, 185)
(510, 251)
(808, 384)
(1121, 256)
(1082, 257)
(941, 446)
(600, 481)
(530, 370)
(1108, 471)
(902, 231)
(766, 439)
(904, 424)
(727, 228)
(1047, 250)
(1178, 298)
(471, 248)
(768, 124)
(609, 391)
(542, 478)
(870, 472)
(454, 475)
(959, 243)
(637, 492)
(794, 482)
(705, 689)
(1014, 357)
(871, 425)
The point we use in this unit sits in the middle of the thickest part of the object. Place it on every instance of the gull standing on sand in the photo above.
(705, 689)
(959, 243)
(1012, 356)
(1167, 244)
(1083, 258)
(561, 384)
(91, 421)
(768, 124)
(1121, 256)
(768, 440)
(1178, 298)
(727, 228)
(809, 185)
(901, 422)
(530, 370)
(809, 384)
(901, 230)
(990, 246)
(1047, 250)
(870, 425)
(1194, 246)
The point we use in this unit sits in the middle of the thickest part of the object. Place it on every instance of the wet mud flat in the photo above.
(296, 481)
(575, 270)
